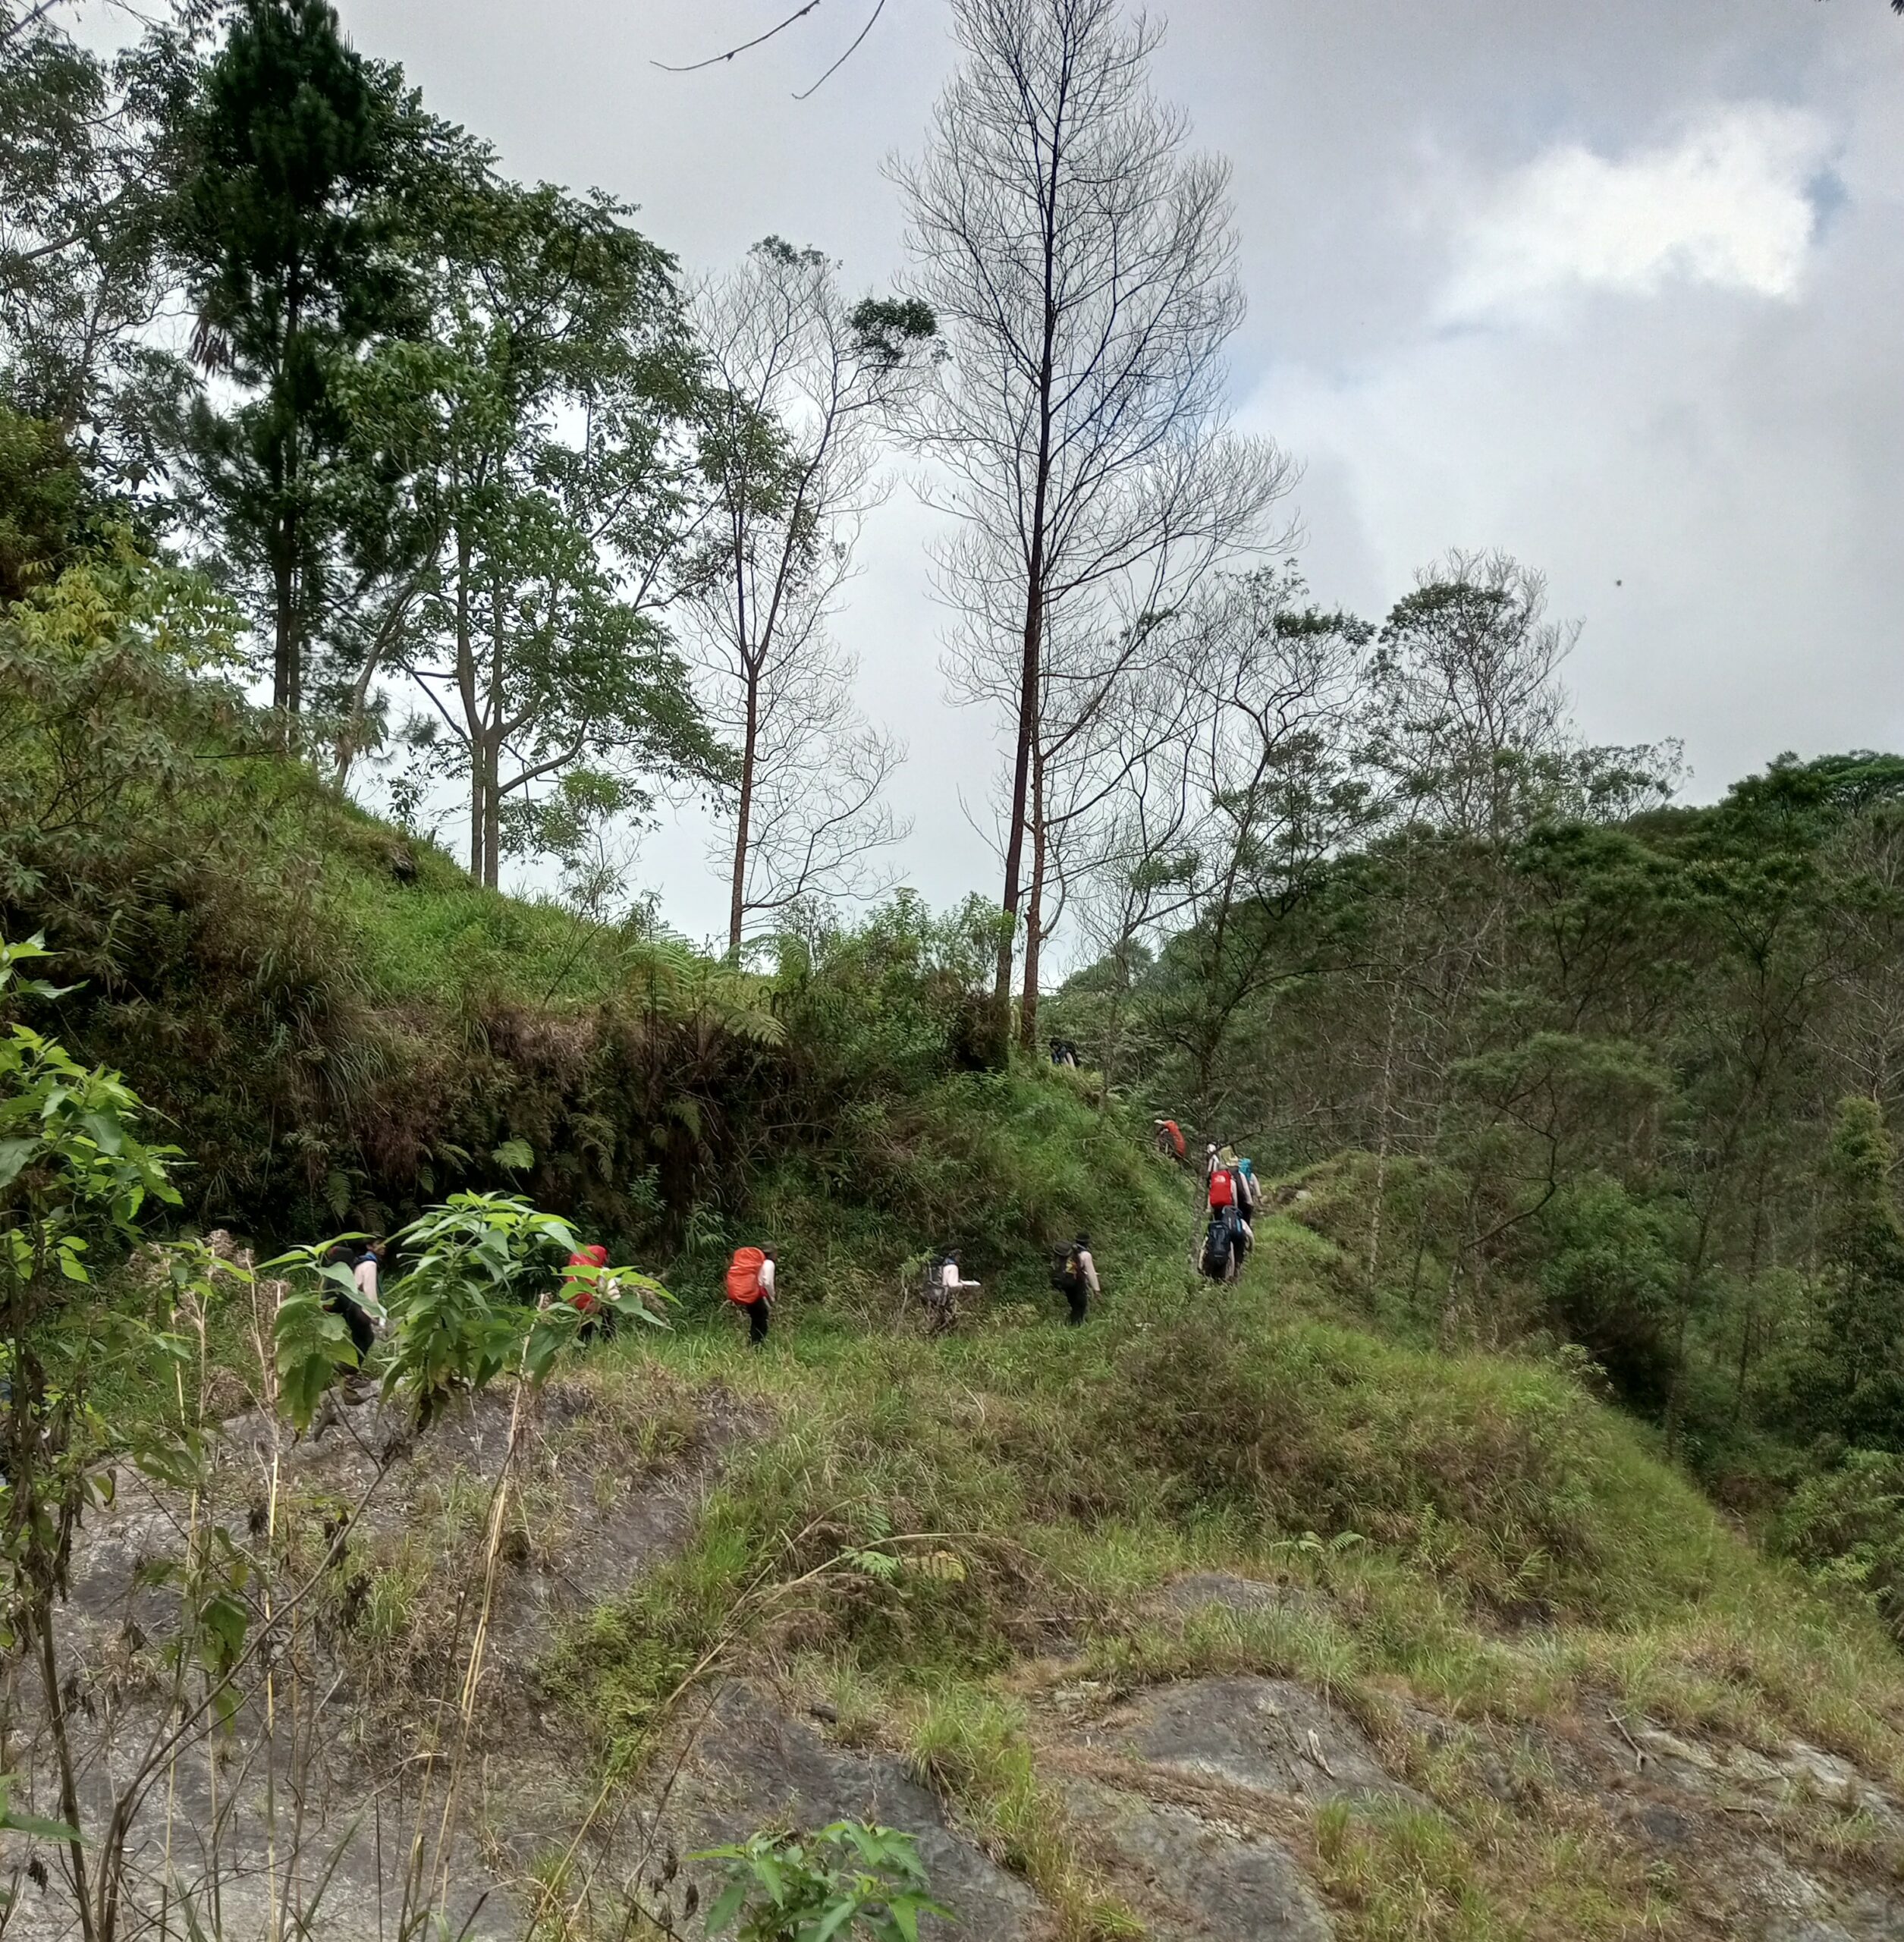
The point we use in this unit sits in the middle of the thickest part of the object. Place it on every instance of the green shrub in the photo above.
(1848, 1526)
(1612, 1272)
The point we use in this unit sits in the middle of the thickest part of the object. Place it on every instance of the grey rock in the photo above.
(1664, 1827)
(1192, 1877)
(1271, 1735)
(753, 1765)
(1223, 1590)
(119, 1690)
(1872, 1917)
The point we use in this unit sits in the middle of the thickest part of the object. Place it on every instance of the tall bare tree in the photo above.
(1080, 261)
(798, 383)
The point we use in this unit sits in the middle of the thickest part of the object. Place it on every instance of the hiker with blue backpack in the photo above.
(1221, 1258)
(1249, 1199)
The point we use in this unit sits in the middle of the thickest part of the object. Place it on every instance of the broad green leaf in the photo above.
(31, 1825)
(727, 1907)
(13, 1155)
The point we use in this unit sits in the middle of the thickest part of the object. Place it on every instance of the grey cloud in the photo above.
(1736, 461)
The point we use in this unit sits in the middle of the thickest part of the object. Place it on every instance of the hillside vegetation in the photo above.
(1515, 1550)
(1476, 1555)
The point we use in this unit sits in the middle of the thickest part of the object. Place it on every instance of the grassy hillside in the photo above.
(936, 1539)
(1473, 1541)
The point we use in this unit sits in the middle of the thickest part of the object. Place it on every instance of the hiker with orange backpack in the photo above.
(750, 1285)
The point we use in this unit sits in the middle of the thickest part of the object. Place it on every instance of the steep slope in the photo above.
(1234, 1613)
(1221, 1618)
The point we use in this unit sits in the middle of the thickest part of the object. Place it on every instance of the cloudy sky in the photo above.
(1616, 285)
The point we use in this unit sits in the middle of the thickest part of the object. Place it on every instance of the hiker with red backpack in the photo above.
(578, 1277)
(1230, 1233)
(750, 1286)
(1223, 1189)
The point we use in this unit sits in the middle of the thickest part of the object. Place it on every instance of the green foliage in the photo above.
(465, 1309)
(1502, 1482)
(310, 1341)
(1613, 1270)
(70, 1165)
(1842, 1376)
(1613, 1037)
(1847, 1525)
(85, 171)
(890, 329)
(527, 612)
(41, 495)
(853, 1878)
(100, 724)
(292, 139)
(1863, 1243)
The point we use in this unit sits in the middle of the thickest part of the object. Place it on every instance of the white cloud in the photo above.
(1727, 204)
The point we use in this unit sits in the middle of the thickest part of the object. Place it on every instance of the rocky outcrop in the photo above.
(751, 1764)
(1201, 1803)
(306, 1800)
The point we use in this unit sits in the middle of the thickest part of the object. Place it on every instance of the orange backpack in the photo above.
(743, 1276)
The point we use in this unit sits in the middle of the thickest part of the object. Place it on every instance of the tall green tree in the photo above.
(87, 158)
(545, 442)
(1863, 1249)
(286, 234)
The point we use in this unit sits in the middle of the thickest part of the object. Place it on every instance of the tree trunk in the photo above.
(1034, 907)
(1031, 669)
(743, 818)
(465, 691)
(1021, 769)
(492, 733)
(1382, 1135)
(492, 813)
(284, 658)
(287, 657)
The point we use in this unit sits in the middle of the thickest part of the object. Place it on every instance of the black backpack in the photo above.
(1066, 1277)
(1217, 1244)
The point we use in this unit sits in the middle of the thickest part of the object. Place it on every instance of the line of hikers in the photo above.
(1232, 1197)
(750, 1287)
(362, 1313)
(1073, 1274)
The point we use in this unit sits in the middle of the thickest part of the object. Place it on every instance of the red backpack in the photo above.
(580, 1288)
(1222, 1193)
(743, 1276)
